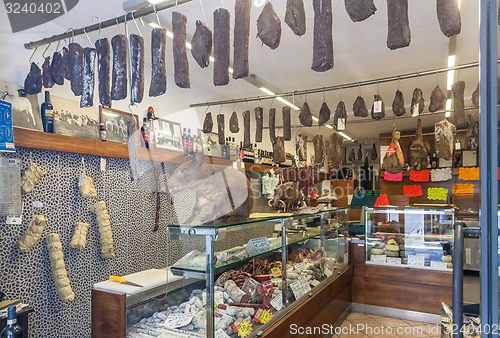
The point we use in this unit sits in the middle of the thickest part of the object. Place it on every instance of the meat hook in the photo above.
(136, 25)
(32, 54)
(99, 20)
(156, 13)
(85, 31)
(43, 54)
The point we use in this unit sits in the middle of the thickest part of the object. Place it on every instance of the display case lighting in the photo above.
(282, 100)
(448, 108)
(451, 73)
(344, 135)
(329, 126)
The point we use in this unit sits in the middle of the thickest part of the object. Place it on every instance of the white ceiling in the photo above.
(360, 54)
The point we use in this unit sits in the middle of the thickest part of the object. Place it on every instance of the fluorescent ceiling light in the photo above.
(315, 119)
(154, 25)
(282, 100)
(451, 73)
(347, 137)
(230, 70)
(267, 91)
(211, 58)
(459, 3)
(328, 126)
(155, 2)
(448, 108)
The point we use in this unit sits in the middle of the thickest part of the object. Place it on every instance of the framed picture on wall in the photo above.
(25, 108)
(71, 120)
(115, 122)
(168, 134)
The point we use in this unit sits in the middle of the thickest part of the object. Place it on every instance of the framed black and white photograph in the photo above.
(209, 143)
(25, 108)
(71, 120)
(115, 122)
(168, 134)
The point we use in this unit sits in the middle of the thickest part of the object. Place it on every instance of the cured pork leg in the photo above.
(323, 36)
(324, 114)
(241, 37)
(305, 116)
(360, 10)
(119, 81)
(448, 15)
(318, 148)
(336, 151)
(444, 139)
(398, 105)
(269, 27)
(201, 44)
(181, 64)
(295, 16)
(438, 100)
(418, 158)
(221, 46)
(359, 107)
(158, 63)
(398, 35)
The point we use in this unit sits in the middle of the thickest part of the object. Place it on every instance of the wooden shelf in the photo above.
(33, 139)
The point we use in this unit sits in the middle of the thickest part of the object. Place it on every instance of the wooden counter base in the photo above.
(400, 288)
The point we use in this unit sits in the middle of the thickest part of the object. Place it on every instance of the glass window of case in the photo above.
(413, 237)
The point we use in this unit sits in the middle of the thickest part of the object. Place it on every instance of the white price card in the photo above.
(299, 267)
(415, 113)
(378, 258)
(439, 265)
(416, 260)
(259, 245)
(277, 301)
(377, 106)
(218, 297)
(328, 272)
(393, 260)
(341, 124)
(297, 289)
(314, 282)
(175, 320)
(221, 334)
(103, 164)
(305, 284)
(204, 298)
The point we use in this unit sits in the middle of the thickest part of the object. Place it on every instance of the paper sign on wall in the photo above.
(6, 131)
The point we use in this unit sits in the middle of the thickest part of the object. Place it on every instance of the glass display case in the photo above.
(411, 237)
(239, 278)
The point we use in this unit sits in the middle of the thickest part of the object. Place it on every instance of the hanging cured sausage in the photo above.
(76, 67)
(87, 99)
(221, 46)
(201, 44)
(398, 35)
(246, 128)
(323, 36)
(119, 80)
(103, 49)
(458, 89)
(57, 69)
(272, 125)
(181, 64)
(220, 128)
(287, 128)
(47, 79)
(208, 124)
(158, 63)
(33, 81)
(241, 37)
(233, 123)
(259, 123)
(360, 10)
(448, 15)
(295, 16)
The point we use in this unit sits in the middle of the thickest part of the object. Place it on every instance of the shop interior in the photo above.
(250, 172)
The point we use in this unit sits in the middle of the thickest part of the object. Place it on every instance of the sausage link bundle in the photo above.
(103, 49)
(119, 75)
(79, 238)
(33, 233)
(31, 177)
(59, 273)
(105, 233)
(137, 65)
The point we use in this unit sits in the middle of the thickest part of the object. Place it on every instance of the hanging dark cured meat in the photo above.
(417, 98)
(66, 64)
(458, 89)
(418, 158)
(208, 124)
(33, 81)
(259, 123)
(360, 10)
(301, 147)
(269, 27)
(272, 125)
(220, 128)
(76, 67)
(340, 113)
(181, 64)
(201, 44)
(158, 62)
(378, 115)
(318, 148)
(47, 79)
(279, 150)
(246, 128)
(352, 155)
(241, 37)
(233, 123)
(336, 151)
(137, 68)
(398, 35)
(221, 46)
(398, 105)
(295, 16)
(444, 139)
(323, 36)
(359, 107)
(287, 128)
(360, 153)
(87, 99)
(475, 97)
(305, 116)
(119, 82)
(57, 69)
(472, 135)
(103, 49)
(324, 114)
(374, 153)
(438, 100)
(448, 15)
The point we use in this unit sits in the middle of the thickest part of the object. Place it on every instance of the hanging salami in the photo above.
(221, 46)
(323, 36)
(181, 64)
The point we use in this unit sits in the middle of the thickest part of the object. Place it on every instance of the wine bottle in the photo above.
(47, 114)
(12, 330)
(102, 132)
(185, 142)
(190, 143)
(145, 134)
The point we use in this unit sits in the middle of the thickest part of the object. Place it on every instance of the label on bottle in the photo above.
(49, 112)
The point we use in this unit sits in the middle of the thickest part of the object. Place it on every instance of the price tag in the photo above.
(377, 106)
(393, 260)
(378, 258)
(242, 165)
(416, 260)
(103, 164)
(297, 289)
(218, 297)
(221, 334)
(277, 301)
(204, 298)
(415, 112)
(176, 320)
(37, 204)
(305, 285)
(438, 265)
(275, 272)
(299, 267)
(457, 145)
(341, 124)
(81, 179)
(259, 245)
(328, 272)
(314, 283)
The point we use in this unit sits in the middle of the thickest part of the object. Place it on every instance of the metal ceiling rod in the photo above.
(340, 86)
(108, 23)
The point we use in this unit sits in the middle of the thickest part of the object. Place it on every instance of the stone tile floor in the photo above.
(361, 325)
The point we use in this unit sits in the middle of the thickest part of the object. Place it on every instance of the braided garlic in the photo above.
(33, 233)
(79, 238)
(59, 273)
(31, 176)
(101, 211)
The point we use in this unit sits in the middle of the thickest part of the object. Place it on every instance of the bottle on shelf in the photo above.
(47, 114)
(434, 161)
(185, 144)
(12, 330)
(189, 142)
(102, 132)
(145, 133)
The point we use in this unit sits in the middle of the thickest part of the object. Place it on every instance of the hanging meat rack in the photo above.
(154, 9)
